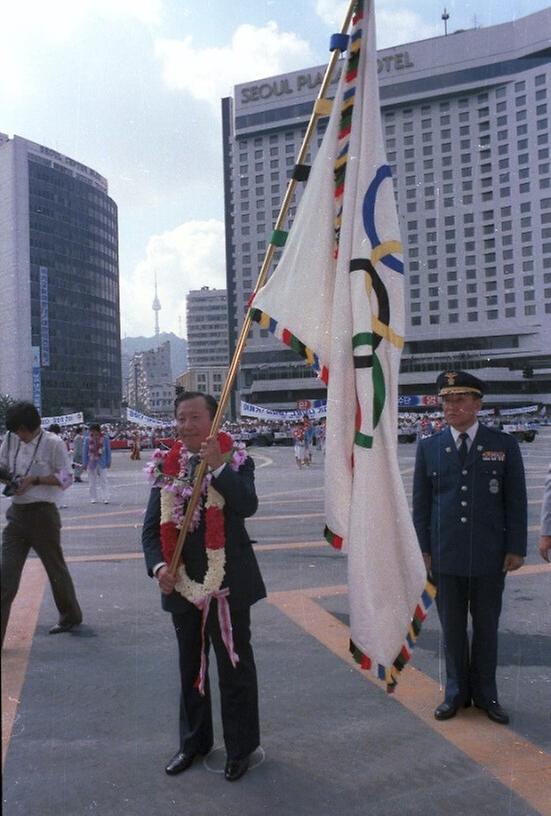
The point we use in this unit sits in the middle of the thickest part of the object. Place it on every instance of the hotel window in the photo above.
(472, 317)
(510, 311)
(415, 321)
(434, 319)
(529, 310)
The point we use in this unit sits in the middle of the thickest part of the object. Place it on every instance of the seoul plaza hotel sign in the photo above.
(309, 80)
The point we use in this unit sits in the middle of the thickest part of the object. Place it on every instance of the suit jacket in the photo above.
(242, 572)
(467, 518)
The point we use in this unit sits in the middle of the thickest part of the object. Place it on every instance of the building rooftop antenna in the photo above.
(445, 17)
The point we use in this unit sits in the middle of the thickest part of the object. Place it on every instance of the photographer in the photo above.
(35, 468)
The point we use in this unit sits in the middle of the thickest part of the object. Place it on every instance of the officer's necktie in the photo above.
(463, 449)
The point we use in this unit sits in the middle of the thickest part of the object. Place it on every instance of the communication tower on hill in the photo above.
(156, 307)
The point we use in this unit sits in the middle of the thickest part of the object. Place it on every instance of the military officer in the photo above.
(470, 514)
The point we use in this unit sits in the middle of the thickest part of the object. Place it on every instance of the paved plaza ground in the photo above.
(90, 717)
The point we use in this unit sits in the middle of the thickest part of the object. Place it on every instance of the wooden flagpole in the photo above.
(322, 107)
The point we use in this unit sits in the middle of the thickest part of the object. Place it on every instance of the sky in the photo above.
(132, 88)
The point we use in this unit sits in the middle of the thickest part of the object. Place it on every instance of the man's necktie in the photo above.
(194, 460)
(463, 449)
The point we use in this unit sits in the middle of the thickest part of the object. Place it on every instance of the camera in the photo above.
(11, 482)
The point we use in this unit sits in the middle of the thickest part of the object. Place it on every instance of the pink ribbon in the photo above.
(224, 620)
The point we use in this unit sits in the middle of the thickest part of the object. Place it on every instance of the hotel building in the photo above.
(466, 124)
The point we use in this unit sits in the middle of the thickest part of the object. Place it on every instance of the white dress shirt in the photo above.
(471, 433)
(45, 455)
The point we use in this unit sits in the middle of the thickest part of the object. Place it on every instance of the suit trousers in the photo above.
(238, 685)
(470, 669)
(36, 526)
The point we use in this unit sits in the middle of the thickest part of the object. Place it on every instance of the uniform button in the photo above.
(464, 488)
(464, 472)
(463, 504)
(463, 520)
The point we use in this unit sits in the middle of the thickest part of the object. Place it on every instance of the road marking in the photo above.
(518, 764)
(264, 460)
(291, 545)
(18, 642)
(138, 524)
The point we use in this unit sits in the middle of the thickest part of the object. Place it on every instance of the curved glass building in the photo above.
(59, 274)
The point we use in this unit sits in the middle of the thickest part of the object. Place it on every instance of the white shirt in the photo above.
(45, 455)
(471, 433)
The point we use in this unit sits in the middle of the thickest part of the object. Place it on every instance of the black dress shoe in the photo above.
(445, 711)
(62, 627)
(236, 768)
(179, 762)
(495, 712)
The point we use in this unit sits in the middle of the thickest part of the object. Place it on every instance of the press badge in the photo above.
(494, 486)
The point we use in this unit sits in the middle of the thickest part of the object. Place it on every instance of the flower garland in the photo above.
(171, 472)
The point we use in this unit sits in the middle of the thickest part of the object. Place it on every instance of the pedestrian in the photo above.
(470, 514)
(56, 429)
(308, 440)
(219, 570)
(36, 468)
(545, 532)
(78, 441)
(299, 446)
(96, 458)
(135, 446)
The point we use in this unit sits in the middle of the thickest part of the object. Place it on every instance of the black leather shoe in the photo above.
(445, 711)
(236, 768)
(62, 627)
(496, 713)
(179, 762)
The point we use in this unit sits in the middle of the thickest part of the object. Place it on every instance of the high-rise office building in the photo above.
(150, 388)
(207, 328)
(466, 124)
(59, 278)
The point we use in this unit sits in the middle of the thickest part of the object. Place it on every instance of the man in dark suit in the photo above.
(470, 514)
(237, 680)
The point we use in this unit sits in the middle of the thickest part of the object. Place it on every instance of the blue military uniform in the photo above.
(468, 516)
